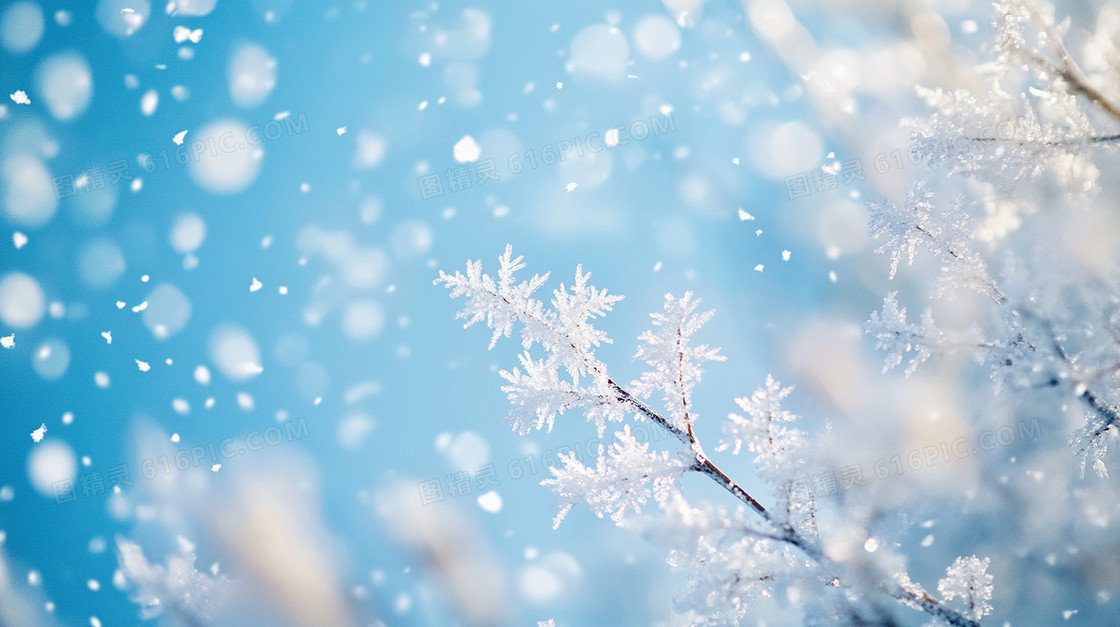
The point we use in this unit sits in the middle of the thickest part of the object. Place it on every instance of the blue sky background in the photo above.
(664, 218)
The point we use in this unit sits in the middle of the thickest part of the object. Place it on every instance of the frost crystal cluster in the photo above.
(732, 557)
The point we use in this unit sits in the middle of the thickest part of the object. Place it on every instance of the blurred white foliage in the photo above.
(1033, 137)
(1025, 124)
(176, 587)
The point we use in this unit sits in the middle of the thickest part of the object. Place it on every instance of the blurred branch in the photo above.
(1067, 68)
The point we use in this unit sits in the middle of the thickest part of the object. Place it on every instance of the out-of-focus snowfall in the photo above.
(231, 394)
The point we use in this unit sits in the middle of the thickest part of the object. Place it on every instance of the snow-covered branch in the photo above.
(730, 561)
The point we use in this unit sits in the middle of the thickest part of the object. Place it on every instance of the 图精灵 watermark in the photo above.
(464, 176)
(191, 149)
(207, 455)
(852, 476)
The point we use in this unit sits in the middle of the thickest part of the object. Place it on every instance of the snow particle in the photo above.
(51, 359)
(178, 139)
(182, 34)
(148, 102)
(65, 82)
(29, 196)
(227, 171)
(202, 375)
(411, 239)
(20, 97)
(353, 429)
(468, 451)
(187, 233)
(37, 435)
(166, 311)
(122, 18)
(49, 464)
(234, 352)
(363, 320)
(369, 151)
(21, 27)
(490, 502)
(252, 75)
(402, 604)
(787, 149)
(600, 52)
(466, 150)
(101, 262)
(245, 401)
(656, 37)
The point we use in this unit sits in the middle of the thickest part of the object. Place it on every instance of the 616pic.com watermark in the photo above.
(850, 477)
(839, 174)
(209, 455)
(466, 176)
(187, 149)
